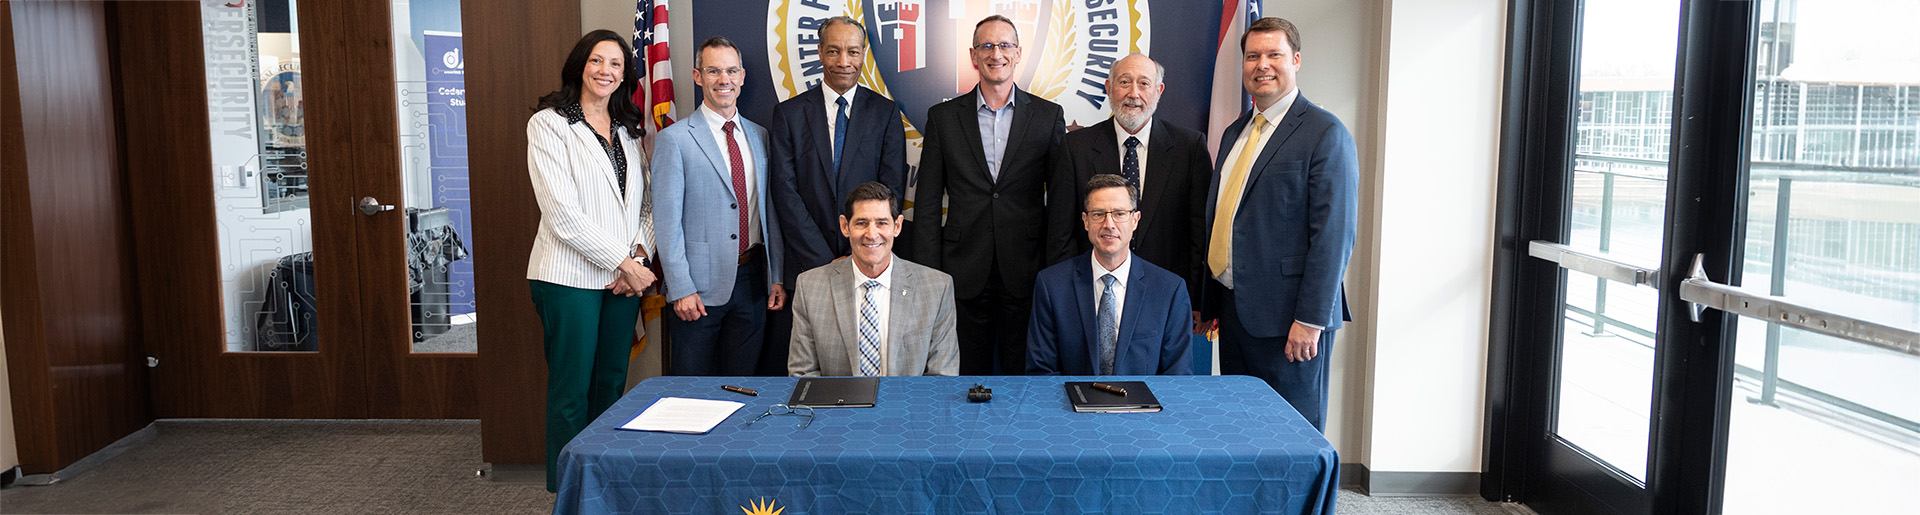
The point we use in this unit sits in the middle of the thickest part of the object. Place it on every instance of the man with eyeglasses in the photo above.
(1169, 164)
(827, 141)
(989, 154)
(1104, 312)
(709, 208)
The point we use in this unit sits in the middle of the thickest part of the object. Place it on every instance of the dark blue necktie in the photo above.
(839, 132)
(1130, 167)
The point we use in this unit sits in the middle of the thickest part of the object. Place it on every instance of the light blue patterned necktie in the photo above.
(869, 331)
(839, 133)
(1109, 325)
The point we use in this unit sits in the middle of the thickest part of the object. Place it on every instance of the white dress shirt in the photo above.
(833, 111)
(1274, 113)
(1120, 136)
(1119, 288)
(882, 301)
(746, 162)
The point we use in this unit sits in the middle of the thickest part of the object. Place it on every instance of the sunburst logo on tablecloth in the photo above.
(764, 507)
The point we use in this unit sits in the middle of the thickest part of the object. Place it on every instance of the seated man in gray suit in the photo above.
(873, 314)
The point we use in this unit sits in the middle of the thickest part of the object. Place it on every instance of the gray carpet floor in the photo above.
(301, 466)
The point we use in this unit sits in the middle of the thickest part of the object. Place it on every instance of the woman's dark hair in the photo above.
(621, 107)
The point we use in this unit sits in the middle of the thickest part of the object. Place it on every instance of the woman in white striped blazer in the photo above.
(590, 256)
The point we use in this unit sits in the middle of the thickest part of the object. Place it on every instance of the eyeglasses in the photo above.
(729, 71)
(782, 409)
(1100, 217)
(987, 48)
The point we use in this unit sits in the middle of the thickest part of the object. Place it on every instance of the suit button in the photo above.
(733, 206)
(733, 236)
(996, 195)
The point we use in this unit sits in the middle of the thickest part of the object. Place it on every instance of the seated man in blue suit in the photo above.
(1104, 312)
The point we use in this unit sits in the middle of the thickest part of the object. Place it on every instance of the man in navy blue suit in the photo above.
(1283, 210)
(1105, 312)
(827, 141)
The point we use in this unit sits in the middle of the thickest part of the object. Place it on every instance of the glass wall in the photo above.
(1822, 424)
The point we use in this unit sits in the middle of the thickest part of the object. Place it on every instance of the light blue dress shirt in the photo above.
(994, 126)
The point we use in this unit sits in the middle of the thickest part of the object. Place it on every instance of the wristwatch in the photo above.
(642, 258)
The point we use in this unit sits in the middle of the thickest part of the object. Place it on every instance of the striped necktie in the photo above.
(869, 331)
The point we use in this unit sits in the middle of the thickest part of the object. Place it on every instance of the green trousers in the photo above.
(588, 334)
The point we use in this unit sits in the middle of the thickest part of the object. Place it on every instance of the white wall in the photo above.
(1418, 84)
(1439, 106)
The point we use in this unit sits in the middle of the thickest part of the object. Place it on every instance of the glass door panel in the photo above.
(430, 79)
(1617, 209)
(1833, 222)
(258, 118)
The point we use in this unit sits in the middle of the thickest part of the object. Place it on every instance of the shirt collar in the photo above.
(1120, 135)
(573, 112)
(885, 278)
(831, 94)
(715, 118)
(980, 97)
(1278, 110)
(1119, 274)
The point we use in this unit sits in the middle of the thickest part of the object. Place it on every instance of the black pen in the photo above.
(1110, 388)
(736, 389)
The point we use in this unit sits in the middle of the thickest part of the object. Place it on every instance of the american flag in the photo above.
(1229, 98)
(650, 49)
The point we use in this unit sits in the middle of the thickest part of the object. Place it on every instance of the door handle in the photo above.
(1702, 293)
(1593, 264)
(370, 205)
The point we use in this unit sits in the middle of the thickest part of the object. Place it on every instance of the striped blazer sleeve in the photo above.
(640, 166)
(558, 194)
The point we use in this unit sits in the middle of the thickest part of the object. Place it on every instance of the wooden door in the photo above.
(351, 316)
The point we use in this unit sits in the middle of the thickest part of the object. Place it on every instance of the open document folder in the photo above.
(682, 415)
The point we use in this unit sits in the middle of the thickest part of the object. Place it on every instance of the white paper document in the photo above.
(682, 415)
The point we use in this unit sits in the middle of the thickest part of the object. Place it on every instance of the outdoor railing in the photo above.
(1612, 170)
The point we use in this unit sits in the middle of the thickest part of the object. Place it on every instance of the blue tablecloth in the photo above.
(1223, 444)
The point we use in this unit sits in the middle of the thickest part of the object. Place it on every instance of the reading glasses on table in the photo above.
(782, 409)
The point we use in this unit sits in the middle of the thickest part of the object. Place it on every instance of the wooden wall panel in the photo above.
(173, 222)
(85, 381)
(19, 272)
(514, 52)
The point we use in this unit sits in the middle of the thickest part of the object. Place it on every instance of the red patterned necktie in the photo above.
(739, 183)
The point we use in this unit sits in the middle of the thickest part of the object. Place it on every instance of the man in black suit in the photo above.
(827, 141)
(990, 153)
(1168, 163)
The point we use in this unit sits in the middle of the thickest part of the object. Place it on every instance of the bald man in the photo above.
(1166, 162)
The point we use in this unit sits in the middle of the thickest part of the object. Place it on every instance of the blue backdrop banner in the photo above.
(919, 57)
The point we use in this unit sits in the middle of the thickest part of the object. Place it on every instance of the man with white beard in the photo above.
(1168, 163)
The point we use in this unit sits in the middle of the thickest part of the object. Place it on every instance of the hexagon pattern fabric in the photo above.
(1224, 444)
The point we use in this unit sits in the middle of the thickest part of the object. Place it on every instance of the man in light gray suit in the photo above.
(710, 204)
(873, 314)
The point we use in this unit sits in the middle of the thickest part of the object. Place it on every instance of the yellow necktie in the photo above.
(1220, 247)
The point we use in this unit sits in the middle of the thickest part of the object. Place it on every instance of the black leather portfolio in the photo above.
(1088, 399)
(835, 392)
